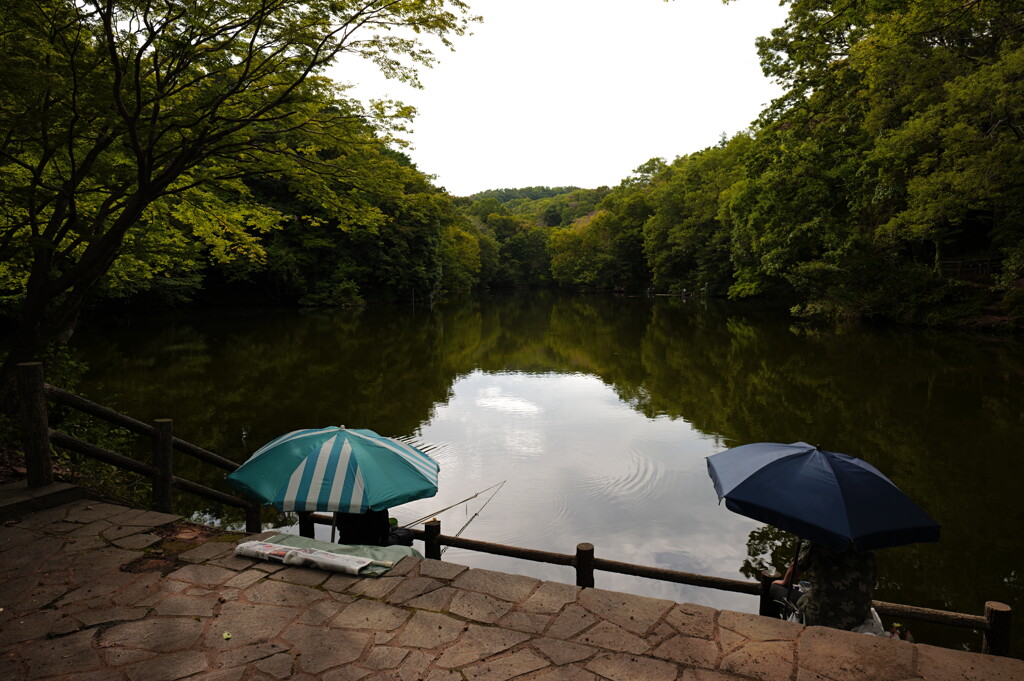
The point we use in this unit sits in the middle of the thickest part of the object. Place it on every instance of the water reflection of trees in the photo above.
(939, 413)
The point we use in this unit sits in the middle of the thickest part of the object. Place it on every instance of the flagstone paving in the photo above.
(93, 591)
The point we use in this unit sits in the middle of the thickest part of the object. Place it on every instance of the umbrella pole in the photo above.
(796, 554)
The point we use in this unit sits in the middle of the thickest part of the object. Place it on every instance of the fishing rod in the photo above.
(499, 486)
(457, 503)
(334, 518)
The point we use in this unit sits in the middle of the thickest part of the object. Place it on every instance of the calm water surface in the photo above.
(597, 412)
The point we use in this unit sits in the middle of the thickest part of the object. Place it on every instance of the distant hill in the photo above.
(528, 193)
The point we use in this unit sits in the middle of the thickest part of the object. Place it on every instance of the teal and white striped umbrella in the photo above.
(350, 470)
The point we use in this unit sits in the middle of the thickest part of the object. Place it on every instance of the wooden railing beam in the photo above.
(99, 411)
(197, 452)
(534, 555)
(211, 494)
(105, 455)
(913, 612)
(690, 578)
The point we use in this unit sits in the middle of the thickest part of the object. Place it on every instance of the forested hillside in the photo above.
(887, 182)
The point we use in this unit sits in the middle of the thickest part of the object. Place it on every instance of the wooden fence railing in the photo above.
(970, 269)
(37, 438)
(994, 624)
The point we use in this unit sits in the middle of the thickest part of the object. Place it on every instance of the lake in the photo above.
(598, 412)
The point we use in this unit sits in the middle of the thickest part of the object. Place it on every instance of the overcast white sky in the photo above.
(581, 92)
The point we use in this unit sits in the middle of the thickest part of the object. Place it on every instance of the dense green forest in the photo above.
(154, 157)
(887, 182)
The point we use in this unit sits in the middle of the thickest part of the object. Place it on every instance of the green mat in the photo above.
(385, 553)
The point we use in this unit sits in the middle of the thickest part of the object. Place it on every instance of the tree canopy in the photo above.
(134, 126)
(897, 145)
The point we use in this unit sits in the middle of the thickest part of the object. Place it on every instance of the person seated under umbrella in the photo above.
(842, 583)
(372, 528)
(840, 502)
(328, 469)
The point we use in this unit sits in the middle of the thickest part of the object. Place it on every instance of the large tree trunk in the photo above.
(23, 350)
(34, 341)
(45, 324)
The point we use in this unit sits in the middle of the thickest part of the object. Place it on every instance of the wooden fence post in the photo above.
(35, 425)
(163, 461)
(997, 637)
(584, 563)
(431, 544)
(253, 520)
(768, 607)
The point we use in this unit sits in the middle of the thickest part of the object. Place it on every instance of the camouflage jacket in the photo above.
(841, 586)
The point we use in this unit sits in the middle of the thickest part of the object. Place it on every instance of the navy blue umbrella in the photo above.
(832, 499)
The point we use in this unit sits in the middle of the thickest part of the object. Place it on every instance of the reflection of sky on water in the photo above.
(580, 466)
(495, 397)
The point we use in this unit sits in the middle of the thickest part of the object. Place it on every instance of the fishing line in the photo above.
(447, 508)
(499, 486)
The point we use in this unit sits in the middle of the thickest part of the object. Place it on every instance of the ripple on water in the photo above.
(625, 482)
(441, 452)
(547, 518)
(541, 503)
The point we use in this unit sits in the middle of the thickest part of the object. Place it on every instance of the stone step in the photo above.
(18, 499)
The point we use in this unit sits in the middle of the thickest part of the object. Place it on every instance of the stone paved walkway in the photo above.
(97, 592)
